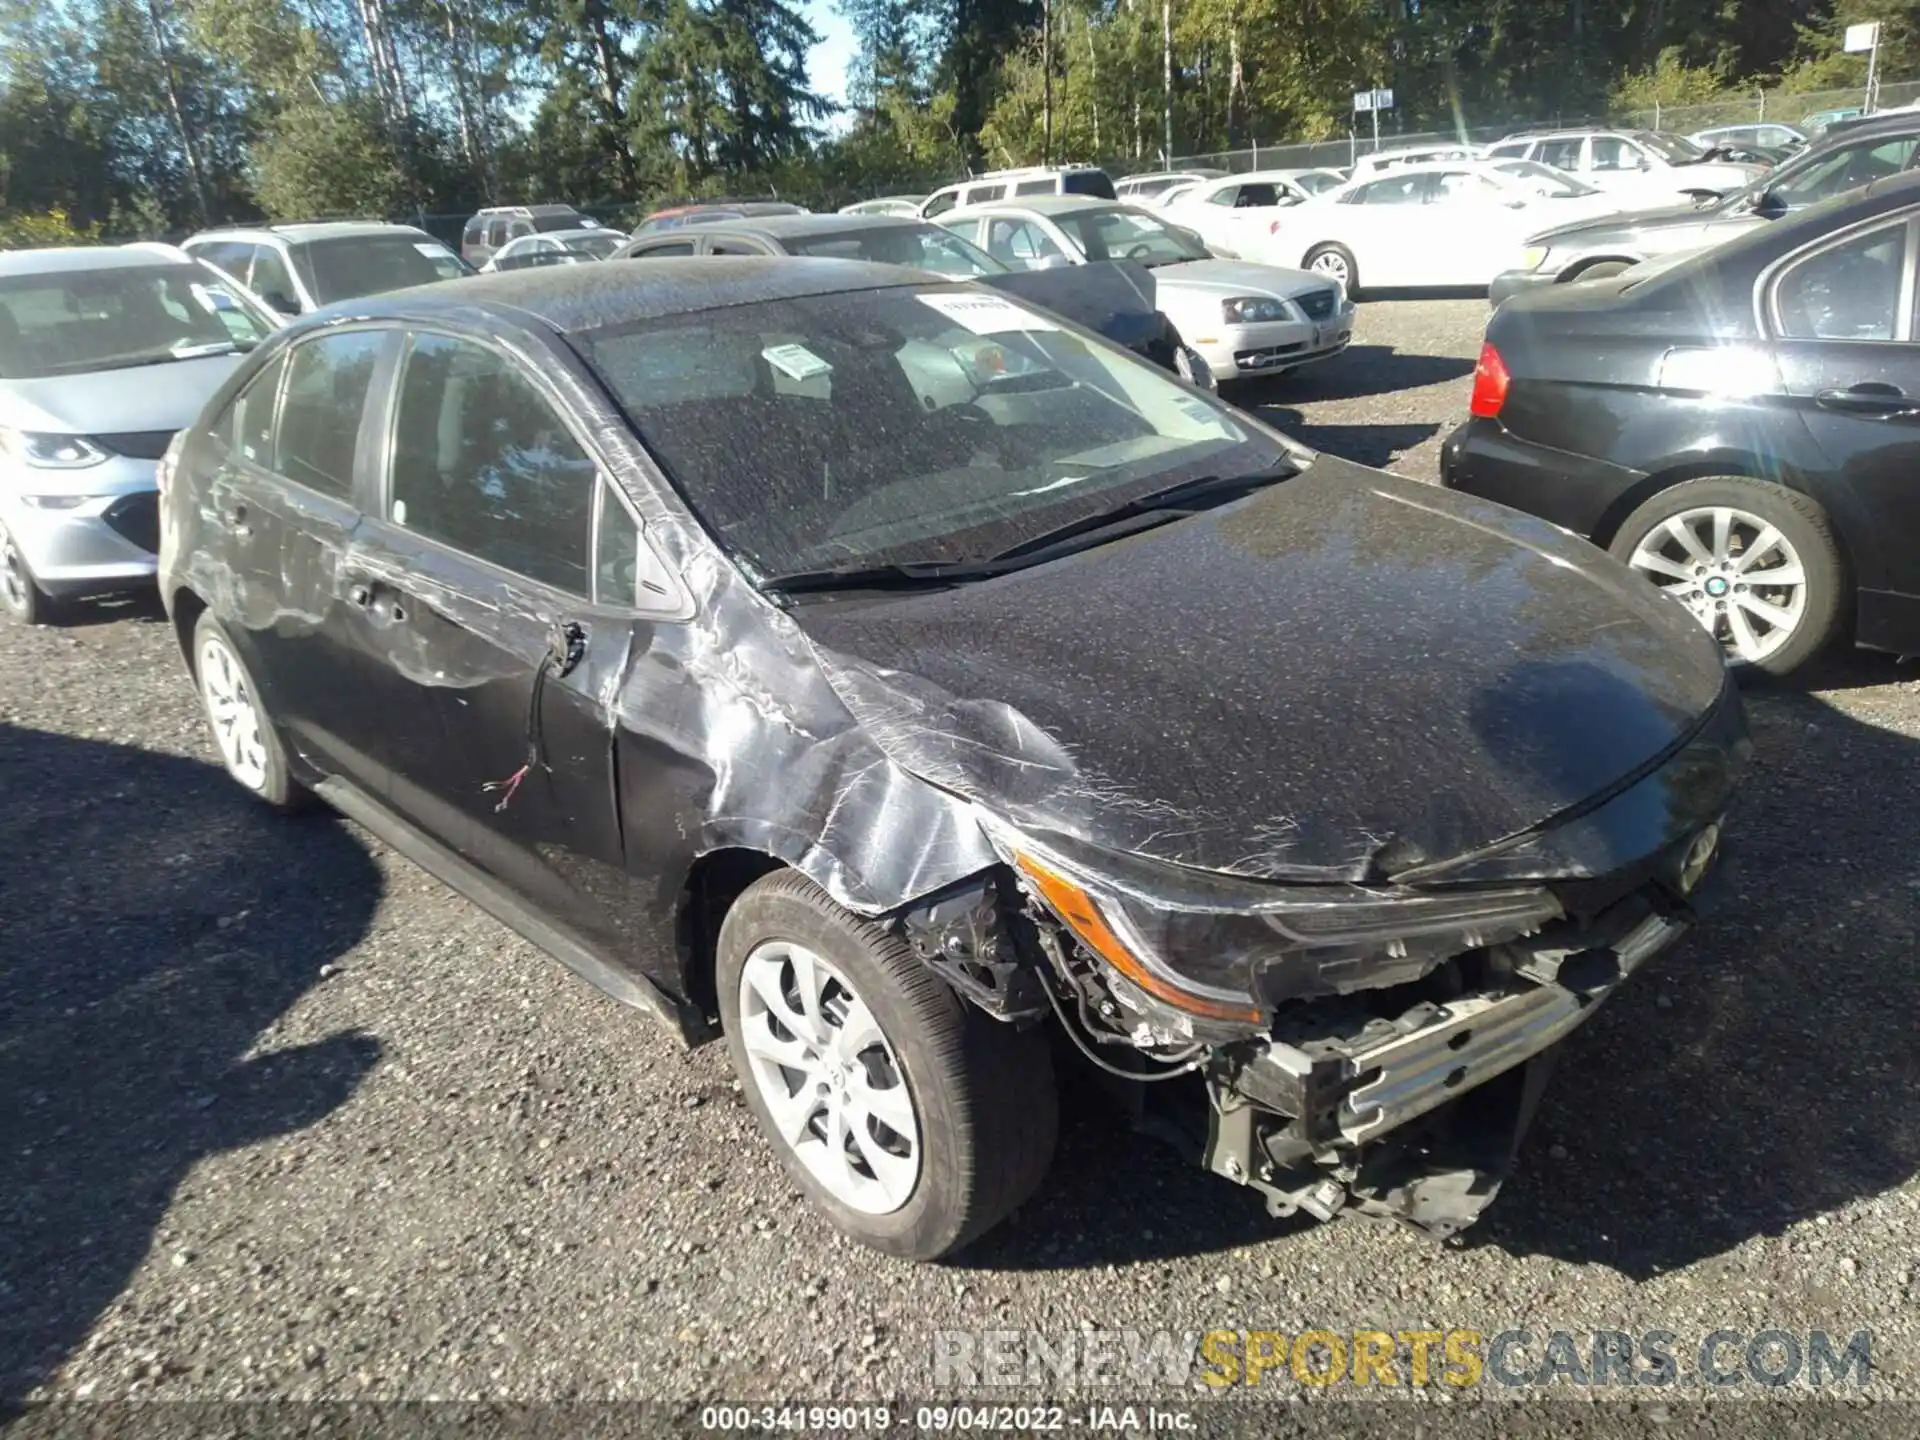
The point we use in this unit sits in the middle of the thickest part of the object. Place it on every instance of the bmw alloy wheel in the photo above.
(1738, 575)
(829, 1077)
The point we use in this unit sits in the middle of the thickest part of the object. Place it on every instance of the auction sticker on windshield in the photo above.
(795, 360)
(986, 314)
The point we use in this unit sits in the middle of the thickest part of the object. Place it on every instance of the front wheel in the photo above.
(913, 1121)
(1756, 564)
(1336, 262)
(20, 594)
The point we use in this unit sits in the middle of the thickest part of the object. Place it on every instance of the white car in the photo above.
(555, 247)
(1381, 161)
(1235, 213)
(1432, 226)
(1643, 167)
(1148, 186)
(1245, 320)
(886, 205)
(1773, 134)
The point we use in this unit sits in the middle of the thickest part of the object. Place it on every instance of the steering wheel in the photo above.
(1138, 252)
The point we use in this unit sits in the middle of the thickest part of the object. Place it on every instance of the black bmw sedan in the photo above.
(1741, 426)
(878, 671)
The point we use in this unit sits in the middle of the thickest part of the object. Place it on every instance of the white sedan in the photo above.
(1234, 213)
(1244, 319)
(1436, 226)
(555, 247)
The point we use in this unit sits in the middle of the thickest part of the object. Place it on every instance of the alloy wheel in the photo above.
(16, 591)
(1738, 575)
(829, 1077)
(233, 712)
(1333, 264)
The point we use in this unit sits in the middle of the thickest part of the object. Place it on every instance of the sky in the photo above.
(828, 63)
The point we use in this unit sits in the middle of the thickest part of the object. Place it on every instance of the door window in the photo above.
(1258, 194)
(1456, 185)
(1848, 291)
(496, 233)
(1396, 190)
(271, 280)
(482, 462)
(1019, 242)
(941, 202)
(229, 255)
(1511, 150)
(1611, 152)
(981, 194)
(1561, 154)
(252, 418)
(327, 383)
(654, 252)
(733, 247)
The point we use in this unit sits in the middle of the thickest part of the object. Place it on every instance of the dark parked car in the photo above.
(1741, 426)
(709, 212)
(1597, 249)
(1116, 300)
(872, 670)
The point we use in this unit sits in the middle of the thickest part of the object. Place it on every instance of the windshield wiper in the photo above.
(1174, 501)
(211, 347)
(891, 576)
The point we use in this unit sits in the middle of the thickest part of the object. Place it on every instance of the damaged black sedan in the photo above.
(888, 675)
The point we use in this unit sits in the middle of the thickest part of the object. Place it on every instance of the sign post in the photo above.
(1372, 102)
(1867, 37)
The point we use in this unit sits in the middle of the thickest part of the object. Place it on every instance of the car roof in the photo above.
(1050, 204)
(303, 231)
(783, 227)
(67, 259)
(577, 298)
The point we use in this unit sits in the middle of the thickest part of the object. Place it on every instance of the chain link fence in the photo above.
(1754, 107)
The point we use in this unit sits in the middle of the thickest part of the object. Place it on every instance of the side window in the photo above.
(1462, 185)
(733, 247)
(1610, 152)
(1848, 291)
(1844, 169)
(271, 282)
(482, 463)
(941, 202)
(1397, 190)
(1034, 187)
(1561, 154)
(496, 233)
(327, 382)
(229, 255)
(625, 569)
(654, 252)
(1225, 195)
(1015, 242)
(471, 232)
(1511, 150)
(984, 194)
(1259, 194)
(252, 432)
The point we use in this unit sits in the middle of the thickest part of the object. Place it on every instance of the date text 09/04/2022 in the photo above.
(940, 1419)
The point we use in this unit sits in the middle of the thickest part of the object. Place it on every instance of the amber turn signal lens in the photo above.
(1082, 915)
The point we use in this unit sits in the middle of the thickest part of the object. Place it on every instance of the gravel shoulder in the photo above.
(288, 1119)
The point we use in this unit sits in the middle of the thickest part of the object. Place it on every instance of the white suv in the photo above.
(998, 185)
(300, 267)
(1642, 164)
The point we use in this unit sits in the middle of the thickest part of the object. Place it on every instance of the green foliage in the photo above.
(24, 230)
(1671, 81)
(328, 160)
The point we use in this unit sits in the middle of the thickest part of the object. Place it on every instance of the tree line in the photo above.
(155, 116)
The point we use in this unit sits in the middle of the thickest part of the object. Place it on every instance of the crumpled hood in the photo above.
(1341, 673)
(1238, 277)
(167, 396)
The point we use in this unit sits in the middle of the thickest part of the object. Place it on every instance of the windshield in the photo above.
(907, 424)
(1841, 169)
(1544, 179)
(1318, 182)
(109, 319)
(354, 265)
(924, 247)
(1127, 235)
(1671, 148)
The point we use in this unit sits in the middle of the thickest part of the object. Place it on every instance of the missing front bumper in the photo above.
(1418, 1117)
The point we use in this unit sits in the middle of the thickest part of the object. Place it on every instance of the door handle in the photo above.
(1867, 398)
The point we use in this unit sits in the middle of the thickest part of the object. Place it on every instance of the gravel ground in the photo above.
(288, 1119)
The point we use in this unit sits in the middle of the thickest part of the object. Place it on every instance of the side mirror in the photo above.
(283, 303)
(1769, 204)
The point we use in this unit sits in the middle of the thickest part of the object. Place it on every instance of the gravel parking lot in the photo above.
(288, 1119)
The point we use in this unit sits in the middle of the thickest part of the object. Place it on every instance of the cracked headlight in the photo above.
(1533, 257)
(1253, 310)
(50, 452)
(1225, 950)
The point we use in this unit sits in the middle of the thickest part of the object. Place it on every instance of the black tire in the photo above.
(983, 1092)
(1604, 270)
(20, 593)
(276, 787)
(1352, 282)
(1799, 519)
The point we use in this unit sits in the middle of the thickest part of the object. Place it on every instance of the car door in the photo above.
(1842, 316)
(1384, 234)
(285, 496)
(480, 553)
(1472, 225)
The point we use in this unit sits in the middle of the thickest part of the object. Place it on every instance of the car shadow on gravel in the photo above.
(1362, 371)
(156, 925)
(1375, 445)
(143, 607)
(1762, 1074)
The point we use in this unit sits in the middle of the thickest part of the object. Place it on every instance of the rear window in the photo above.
(355, 265)
(115, 319)
(569, 221)
(1088, 182)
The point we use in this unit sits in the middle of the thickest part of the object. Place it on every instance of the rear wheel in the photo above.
(912, 1120)
(1337, 263)
(244, 732)
(1755, 563)
(20, 593)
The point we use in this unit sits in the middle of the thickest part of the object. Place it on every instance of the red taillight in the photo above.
(1490, 381)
